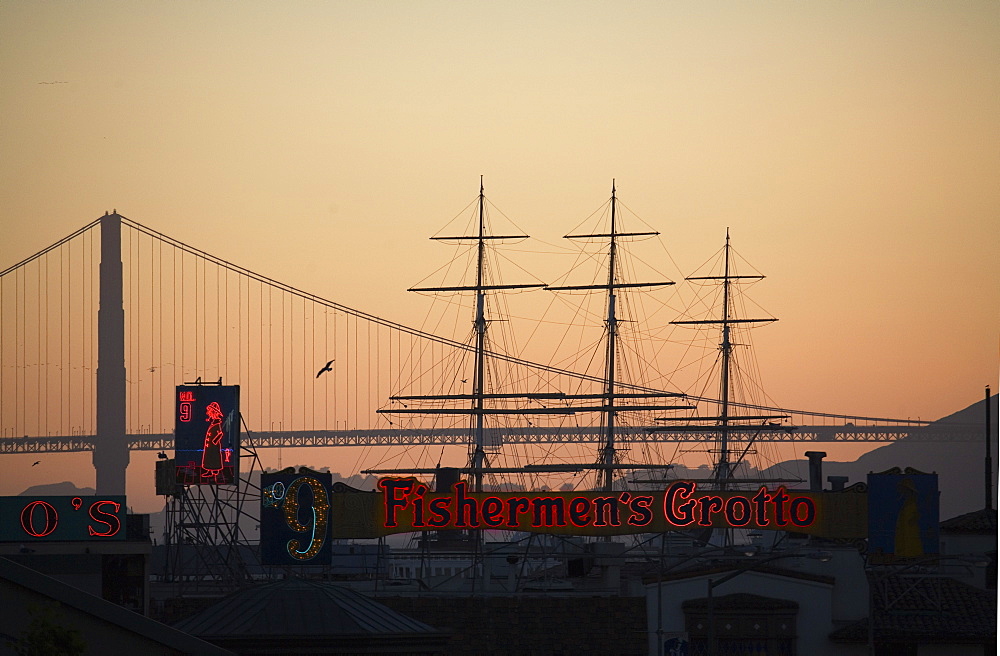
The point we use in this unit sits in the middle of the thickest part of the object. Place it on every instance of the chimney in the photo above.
(815, 470)
(446, 477)
(837, 483)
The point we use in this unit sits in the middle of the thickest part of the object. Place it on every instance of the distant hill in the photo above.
(65, 488)
(959, 465)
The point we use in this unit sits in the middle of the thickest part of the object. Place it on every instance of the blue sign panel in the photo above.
(902, 516)
(62, 518)
(677, 646)
(206, 434)
(295, 518)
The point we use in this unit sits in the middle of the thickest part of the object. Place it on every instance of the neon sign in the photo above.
(904, 519)
(301, 513)
(61, 518)
(295, 518)
(403, 505)
(206, 433)
(407, 505)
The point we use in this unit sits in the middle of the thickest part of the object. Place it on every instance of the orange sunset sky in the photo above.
(852, 149)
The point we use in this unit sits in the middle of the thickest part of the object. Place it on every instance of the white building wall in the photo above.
(814, 620)
(969, 545)
(850, 590)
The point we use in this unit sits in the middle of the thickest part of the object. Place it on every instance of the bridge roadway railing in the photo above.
(529, 435)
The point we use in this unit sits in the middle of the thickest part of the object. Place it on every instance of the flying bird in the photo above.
(326, 367)
(35, 463)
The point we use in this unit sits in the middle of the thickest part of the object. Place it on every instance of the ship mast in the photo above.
(724, 467)
(722, 471)
(610, 400)
(608, 455)
(610, 408)
(478, 410)
(478, 380)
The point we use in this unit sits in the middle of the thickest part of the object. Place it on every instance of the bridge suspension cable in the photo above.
(190, 313)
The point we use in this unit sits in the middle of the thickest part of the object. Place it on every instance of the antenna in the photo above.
(989, 455)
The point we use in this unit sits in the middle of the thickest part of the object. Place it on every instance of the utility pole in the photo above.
(989, 454)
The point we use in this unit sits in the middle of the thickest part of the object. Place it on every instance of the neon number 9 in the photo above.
(317, 528)
(185, 411)
(49, 513)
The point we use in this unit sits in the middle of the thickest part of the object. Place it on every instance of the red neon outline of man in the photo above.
(211, 458)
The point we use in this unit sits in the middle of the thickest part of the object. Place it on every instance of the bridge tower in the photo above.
(111, 453)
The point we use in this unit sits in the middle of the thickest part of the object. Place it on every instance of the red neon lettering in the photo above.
(492, 511)
(760, 506)
(709, 504)
(463, 504)
(553, 509)
(682, 506)
(579, 511)
(418, 506)
(606, 512)
(392, 502)
(187, 396)
(49, 513)
(745, 512)
(778, 500)
(641, 514)
(810, 511)
(113, 523)
(514, 506)
(682, 514)
(440, 515)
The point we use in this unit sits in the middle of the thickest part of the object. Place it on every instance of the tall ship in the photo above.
(494, 394)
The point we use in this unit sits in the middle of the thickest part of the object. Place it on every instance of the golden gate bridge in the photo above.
(98, 328)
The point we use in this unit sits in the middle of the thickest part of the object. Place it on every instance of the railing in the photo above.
(529, 435)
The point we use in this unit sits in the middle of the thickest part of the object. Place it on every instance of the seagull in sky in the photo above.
(35, 463)
(326, 367)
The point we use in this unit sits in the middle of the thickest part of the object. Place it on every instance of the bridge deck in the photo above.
(533, 435)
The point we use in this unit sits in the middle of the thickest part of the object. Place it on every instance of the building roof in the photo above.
(926, 609)
(301, 608)
(980, 522)
(96, 607)
(725, 568)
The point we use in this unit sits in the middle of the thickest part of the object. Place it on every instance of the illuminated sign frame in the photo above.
(903, 522)
(405, 505)
(295, 518)
(207, 434)
(27, 519)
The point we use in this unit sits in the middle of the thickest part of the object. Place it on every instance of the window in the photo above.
(744, 625)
